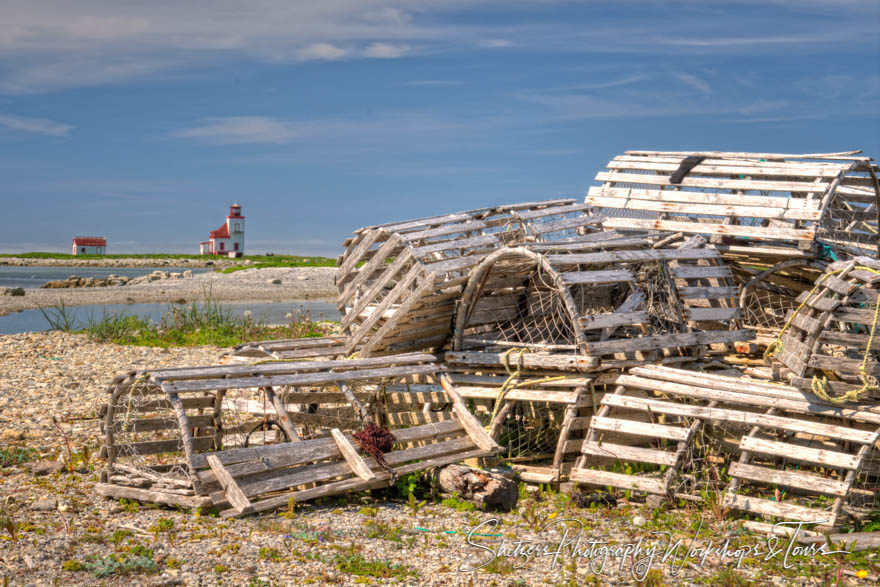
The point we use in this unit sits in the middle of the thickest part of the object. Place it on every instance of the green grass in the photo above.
(355, 564)
(257, 261)
(17, 455)
(197, 324)
(283, 261)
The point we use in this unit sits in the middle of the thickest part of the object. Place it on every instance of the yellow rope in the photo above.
(819, 385)
(512, 376)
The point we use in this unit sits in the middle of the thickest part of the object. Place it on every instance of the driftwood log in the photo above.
(489, 490)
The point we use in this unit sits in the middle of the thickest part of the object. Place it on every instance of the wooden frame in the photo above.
(325, 347)
(837, 314)
(789, 439)
(398, 283)
(184, 436)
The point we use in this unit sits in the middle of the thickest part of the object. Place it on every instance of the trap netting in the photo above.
(398, 282)
(766, 297)
(158, 424)
(735, 443)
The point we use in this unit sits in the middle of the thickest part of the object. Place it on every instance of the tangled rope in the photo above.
(818, 385)
(513, 376)
(376, 440)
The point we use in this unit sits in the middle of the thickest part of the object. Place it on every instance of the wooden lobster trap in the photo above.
(248, 438)
(292, 349)
(829, 344)
(761, 447)
(534, 330)
(776, 218)
(398, 283)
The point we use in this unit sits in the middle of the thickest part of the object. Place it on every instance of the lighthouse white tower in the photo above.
(229, 238)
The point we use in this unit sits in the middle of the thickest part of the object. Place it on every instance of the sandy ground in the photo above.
(297, 283)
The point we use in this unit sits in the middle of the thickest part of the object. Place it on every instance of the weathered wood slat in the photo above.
(798, 480)
(301, 379)
(699, 198)
(614, 320)
(351, 456)
(639, 428)
(766, 507)
(668, 340)
(770, 233)
(597, 277)
(795, 452)
(632, 256)
(708, 209)
(629, 453)
(688, 272)
(698, 314)
(721, 183)
(732, 168)
(606, 478)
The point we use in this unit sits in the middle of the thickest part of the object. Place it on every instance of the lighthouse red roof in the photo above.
(90, 241)
(222, 232)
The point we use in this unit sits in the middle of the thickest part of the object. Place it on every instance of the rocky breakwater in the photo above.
(111, 280)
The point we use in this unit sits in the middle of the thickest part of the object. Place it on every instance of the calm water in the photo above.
(267, 312)
(37, 276)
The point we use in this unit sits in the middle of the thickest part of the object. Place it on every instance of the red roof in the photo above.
(90, 241)
(222, 232)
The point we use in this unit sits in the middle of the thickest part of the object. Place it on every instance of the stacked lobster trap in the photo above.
(777, 219)
(592, 341)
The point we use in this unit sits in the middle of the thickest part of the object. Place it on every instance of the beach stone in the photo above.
(275, 281)
(10, 434)
(44, 468)
(13, 291)
(44, 505)
(188, 273)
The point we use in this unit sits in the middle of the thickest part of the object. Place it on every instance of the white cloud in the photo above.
(321, 52)
(242, 130)
(694, 82)
(41, 126)
(385, 51)
(497, 43)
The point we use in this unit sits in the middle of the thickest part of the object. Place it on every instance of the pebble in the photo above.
(12, 434)
(44, 505)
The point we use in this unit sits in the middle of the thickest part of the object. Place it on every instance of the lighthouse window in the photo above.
(237, 227)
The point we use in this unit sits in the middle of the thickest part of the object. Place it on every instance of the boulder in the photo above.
(13, 291)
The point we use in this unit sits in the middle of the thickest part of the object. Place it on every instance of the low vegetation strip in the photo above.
(206, 323)
(256, 261)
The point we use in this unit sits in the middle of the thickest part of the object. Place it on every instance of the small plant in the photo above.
(415, 505)
(266, 553)
(368, 511)
(72, 565)
(456, 503)
(119, 535)
(220, 569)
(162, 526)
(355, 564)
(60, 317)
(376, 529)
(16, 455)
(119, 564)
(173, 563)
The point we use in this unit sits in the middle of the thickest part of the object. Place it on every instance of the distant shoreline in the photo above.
(119, 262)
(249, 285)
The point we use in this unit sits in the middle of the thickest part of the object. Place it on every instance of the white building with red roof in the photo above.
(89, 245)
(229, 238)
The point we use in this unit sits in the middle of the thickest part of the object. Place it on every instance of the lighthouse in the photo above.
(229, 238)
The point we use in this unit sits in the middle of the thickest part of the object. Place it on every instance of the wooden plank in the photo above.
(768, 169)
(236, 497)
(529, 360)
(721, 183)
(740, 417)
(795, 452)
(838, 285)
(843, 155)
(606, 478)
(152, 496)
(369, 297)
(707, 209)
(690, 292)
(796, 480)
(646, 343)
(471, 425)
(639, 428)
(704, 198)
(614, 320)
(629, 453)
(697, 314)
(349, 453)
(770, 233)
(632, 256)
(301, 379)
(597, 277)
(687, 272)
(464, 243)
(766, 507)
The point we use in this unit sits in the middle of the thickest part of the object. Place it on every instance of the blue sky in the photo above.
(143, 121)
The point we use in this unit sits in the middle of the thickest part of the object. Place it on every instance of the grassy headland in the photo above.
(256, 261)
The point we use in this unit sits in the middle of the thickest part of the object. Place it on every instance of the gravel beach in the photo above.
(270, 284)
(66, 534)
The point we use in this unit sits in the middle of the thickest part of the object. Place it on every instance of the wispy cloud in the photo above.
(321, 52)
(241, 130)
(385, 50)
(433, 83)
(41, 126)
(695, 82)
